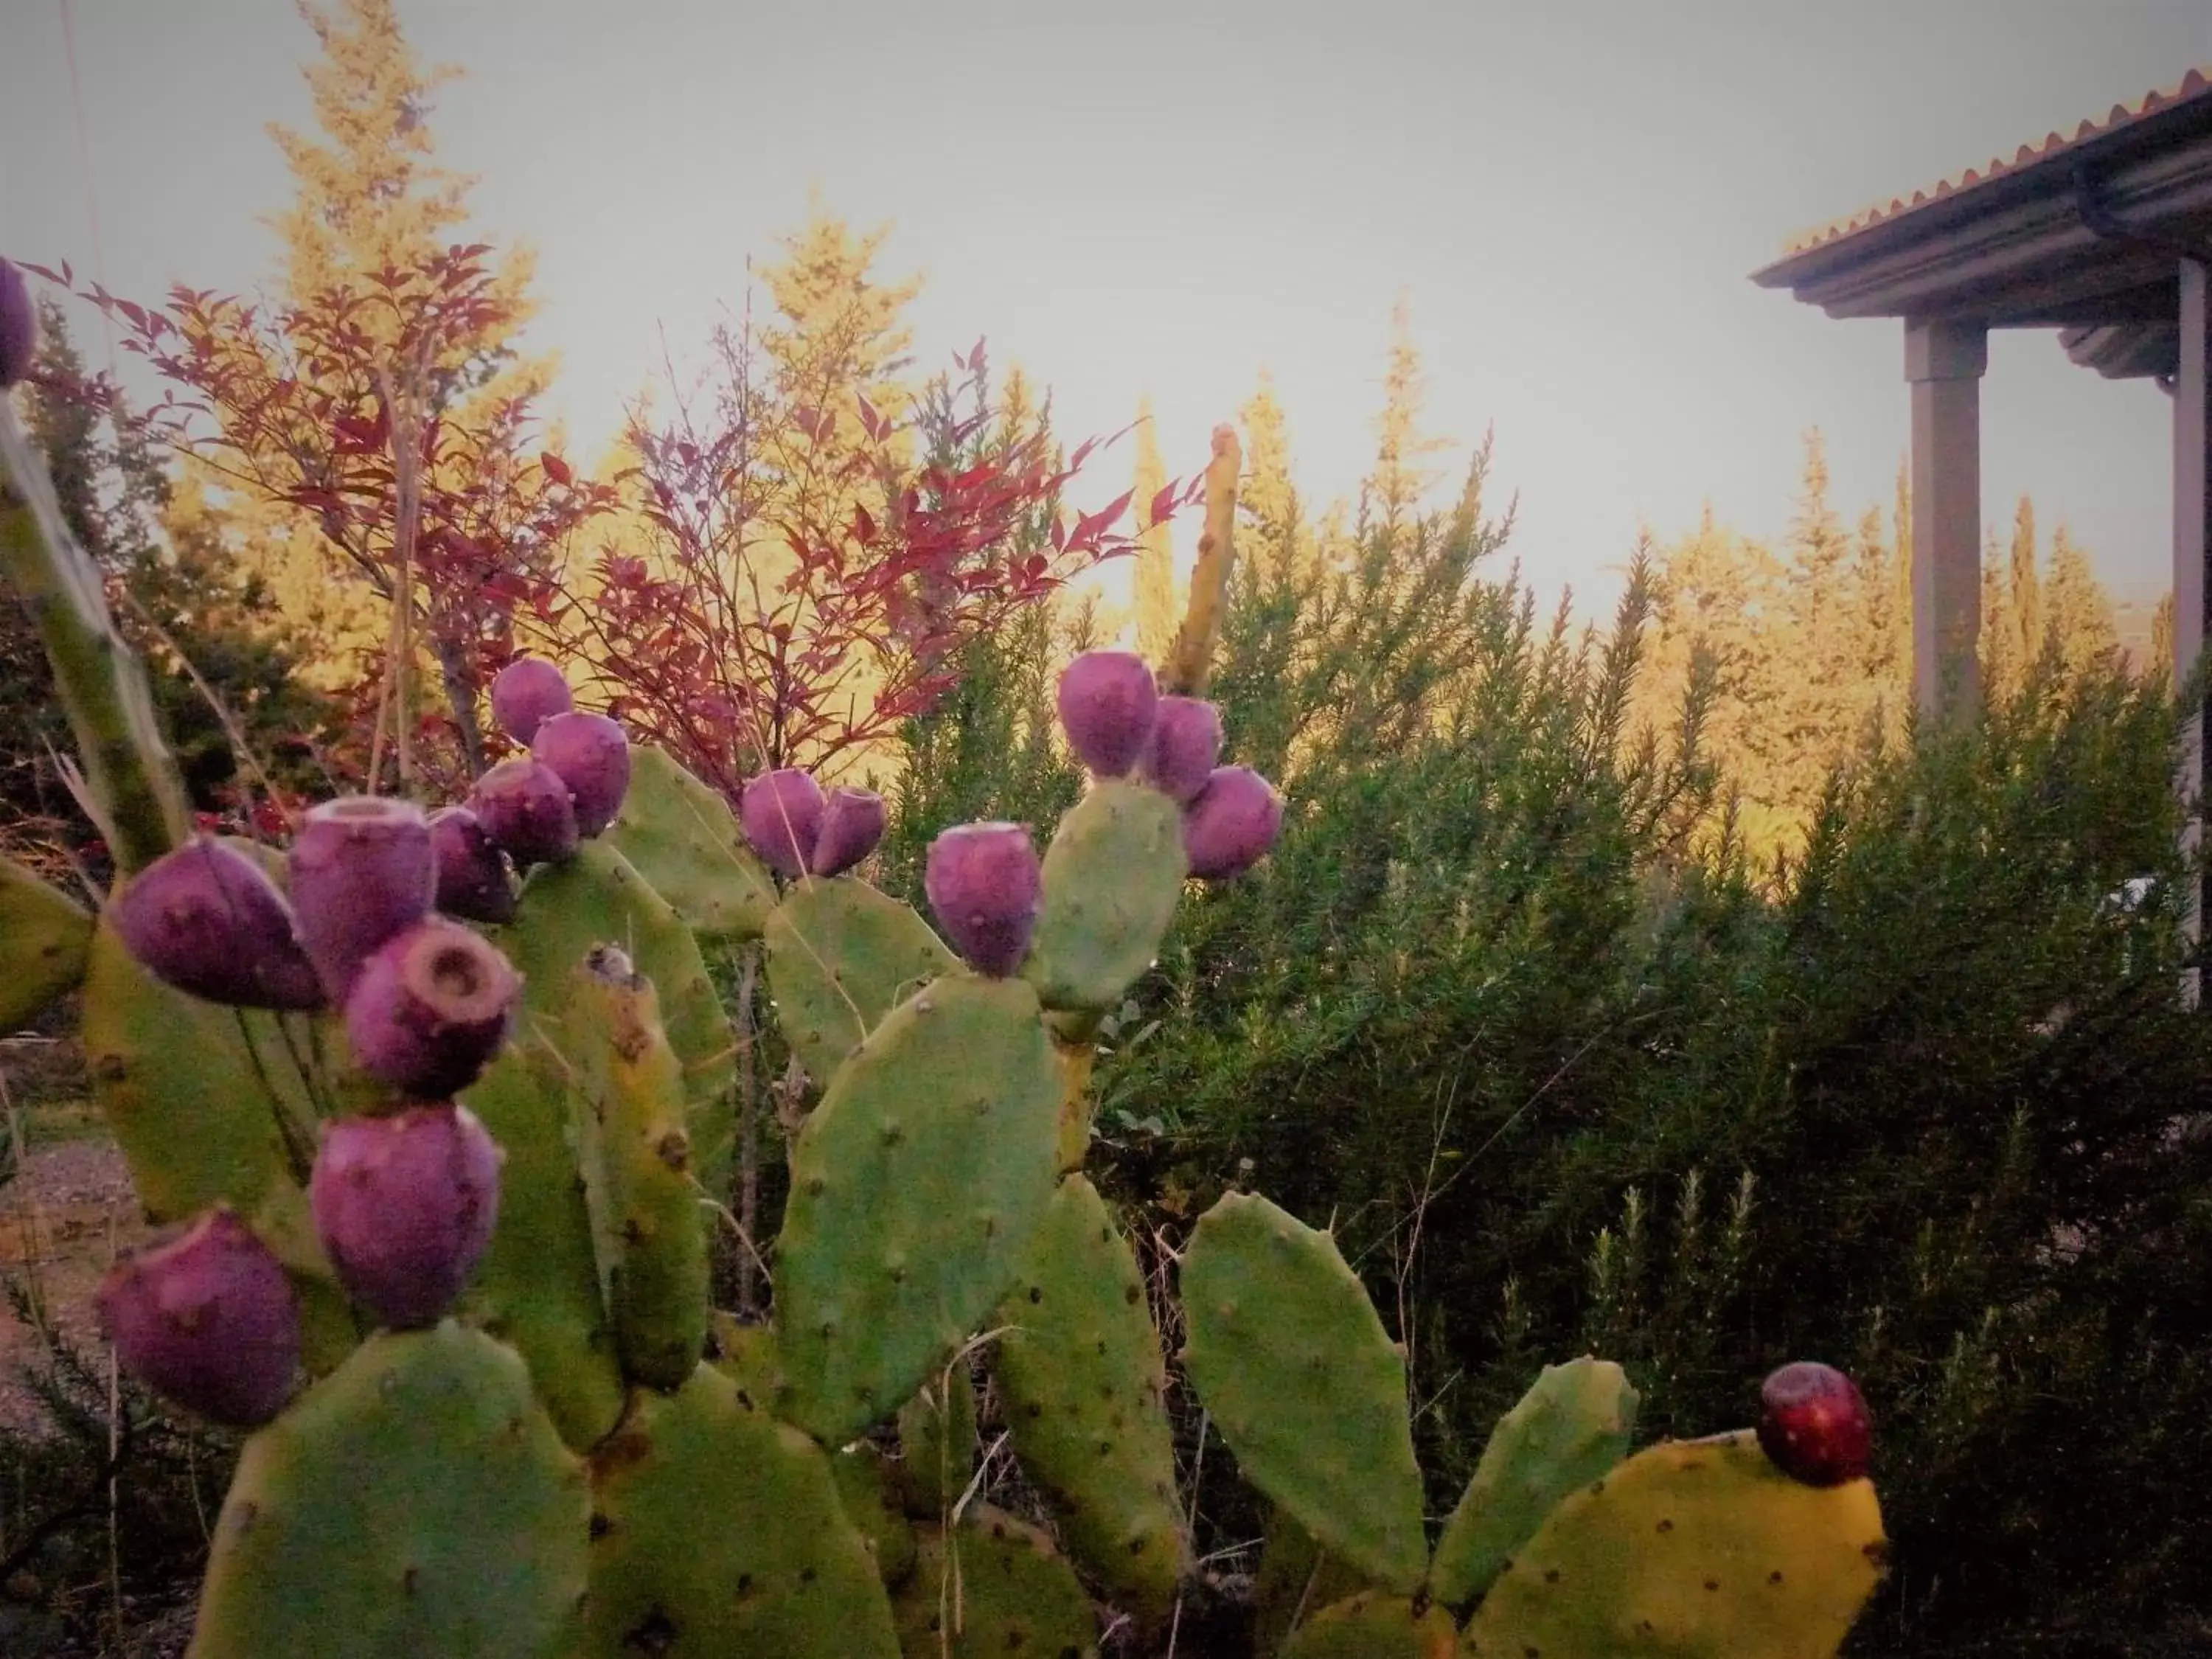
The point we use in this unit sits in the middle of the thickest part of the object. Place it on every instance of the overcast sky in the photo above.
(1138, 198)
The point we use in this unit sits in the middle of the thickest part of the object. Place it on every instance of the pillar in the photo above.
(1943, 362)
(2192, 536)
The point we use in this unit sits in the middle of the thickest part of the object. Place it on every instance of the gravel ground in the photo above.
(61, 1220)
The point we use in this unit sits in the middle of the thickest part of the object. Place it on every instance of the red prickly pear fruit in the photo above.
(208, 1319)
(589, 753)
(851, 823)
(19, 326)
(1813, 1424)
(1230, 824)
(986, 886)
(431, 1009)
(1106, 701)
(405, 1206)
(526, 810)
(471, 872)
(1186, 743)
(526, 694)
(362, 869)
(207, 920)
(781, 815)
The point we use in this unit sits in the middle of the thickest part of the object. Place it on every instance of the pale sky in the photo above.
(1138, 198)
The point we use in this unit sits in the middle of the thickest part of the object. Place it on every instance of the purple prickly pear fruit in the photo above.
(781, 815)
(526, 694)
(431, 1009)
(19, 326)
(209, 1320)
(985, 884)
(1813, 1424)
(404, 1206)
(1230, 824)
(1186, 742)
(1107, 702)
(590, 754)
(851, 823)
(526, 810)
(207, 920)
(471, 874)
(362, 869)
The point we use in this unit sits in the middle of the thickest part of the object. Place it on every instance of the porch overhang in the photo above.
(2082, 234)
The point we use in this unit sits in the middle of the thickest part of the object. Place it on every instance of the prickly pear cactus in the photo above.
(1570, 1427)
(868, 1486)
(1374, 1625)
(1691, 1547)
(1079, 1367)
(992, 1586)
(916, 1187)
(682, 838)
(49, 935)
(1112, 877)
(1296, 1579)
(841, 957)
(937, 1441)
(777, 1572)
(1305, 1384)
(417, 1500)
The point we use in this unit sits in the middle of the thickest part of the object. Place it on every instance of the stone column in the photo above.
(2192, 535)
(1944, 362)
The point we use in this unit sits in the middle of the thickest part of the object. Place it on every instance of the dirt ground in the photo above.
(62, 1220)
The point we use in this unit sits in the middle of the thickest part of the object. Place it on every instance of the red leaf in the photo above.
(555, 468)
(863, 525)
(1163, 503)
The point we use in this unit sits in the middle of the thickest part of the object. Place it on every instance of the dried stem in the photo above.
(1191, 661)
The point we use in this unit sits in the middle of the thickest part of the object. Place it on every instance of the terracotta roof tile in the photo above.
(2197, 83)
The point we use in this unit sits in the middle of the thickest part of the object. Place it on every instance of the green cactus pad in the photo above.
(1569, 1429)
(717, 1533)
(208, 1105)
(1295, 1581)
(682, 838)
(746, 1355)
(869, 1488)
(999, 1589)
(416, 1501)
(1690, 1548)
(915, 1188)
(598, 898)
(937, 1441)
(841, 957)
(651, 1229)
(539, 1287)
(1112, 877)
(49, 935)
(1080, 1372)
(1373, 1626)
(1305, 1384)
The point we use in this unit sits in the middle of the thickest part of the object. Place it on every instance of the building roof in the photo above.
(2083, 234)
(2055, 150)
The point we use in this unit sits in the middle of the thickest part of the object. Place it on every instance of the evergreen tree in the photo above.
(2023, 593)
(2078, 620)
(1154, 580)
(1391, 495)
(1271, 541)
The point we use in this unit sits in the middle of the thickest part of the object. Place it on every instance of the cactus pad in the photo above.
(1305, 1384)
(916, 1187)
(416, 1501)
(868, 1487)
(841, 956)
(1112, 877)
(48, 936)
(1295, 1581)
(1373, 1626)
(937, 1441)
(1080, 1371)
(1570, 1427)
(1689, 1548)
(599, 898)
(997, 1589)
(651, 1229)
(208, 1107)
(682, 838)
(717, 1533)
